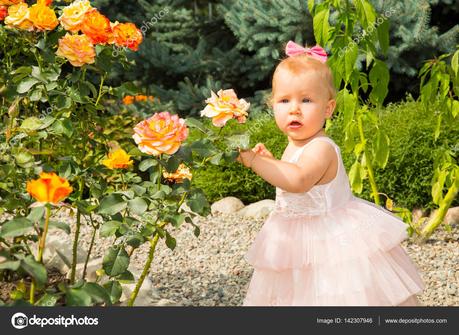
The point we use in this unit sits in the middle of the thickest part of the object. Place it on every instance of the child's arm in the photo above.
(291, 177)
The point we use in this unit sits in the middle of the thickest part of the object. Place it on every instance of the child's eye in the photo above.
(283, 101)
(306, 100)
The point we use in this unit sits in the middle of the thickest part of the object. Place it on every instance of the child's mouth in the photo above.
(294, 125)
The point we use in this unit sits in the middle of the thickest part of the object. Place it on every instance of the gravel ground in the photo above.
(211, 270)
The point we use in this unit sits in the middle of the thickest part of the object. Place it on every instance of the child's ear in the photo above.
(331, 105)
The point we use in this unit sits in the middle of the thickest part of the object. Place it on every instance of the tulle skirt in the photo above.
(347, 257)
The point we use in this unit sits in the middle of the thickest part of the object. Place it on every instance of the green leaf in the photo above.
(16, 227)
(56, 224)
(35, 269)
(194, 123)
(350, 57)
(437, 187)
(126, 277)
(383, 35)
(109, 228)
(170, 241)
(455, 63)
(238, 141)
(116, 261)
(25, 85)
(311, 7)
(321, 26)
(47, 300)
(97, 293)
(77, 297)
(112, 204)
(366, 12)
(139, 190)
(172, 164)
(36, 213)
(24, 159)
(379, 79)
(31, 124)
(349, 105)
(381, 149)
(198, 204)
(196, 231)
(10, 265)
(114, 290)
(63, 102)
(137, 206)
(147, 163)
(203, 147)
(356, 177)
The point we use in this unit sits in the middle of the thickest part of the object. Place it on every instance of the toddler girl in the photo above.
(321, 245)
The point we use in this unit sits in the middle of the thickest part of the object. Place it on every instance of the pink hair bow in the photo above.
(317, 52)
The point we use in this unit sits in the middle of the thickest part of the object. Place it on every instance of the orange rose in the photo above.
(73, 15)
(43, 17)
(49, 188)
(161, 133)
(3, 12)
(10, 2)
(96, 26)
(182, 172)
(78, 49)
(127, 35)
(118, 159)
(18, 17)
(128, 99)
(45, 2)
(224, 106)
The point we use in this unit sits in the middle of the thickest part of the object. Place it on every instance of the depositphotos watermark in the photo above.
(20, 321)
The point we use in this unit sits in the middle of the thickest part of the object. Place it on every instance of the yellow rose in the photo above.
(78, 49)
(224, 106)
(182, 172)
(43, 17)
(73, 15)
(118, 159)
(18, 17)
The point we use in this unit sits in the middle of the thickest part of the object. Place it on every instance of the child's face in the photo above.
(303, 98)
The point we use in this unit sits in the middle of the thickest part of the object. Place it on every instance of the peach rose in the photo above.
(78, 49)
(96, 26)
(49, 188)
(18, 17)
(43, 17)
(161, 133)
(177, 177)
(224, 106)
(127, 35)
(118, 159)
(73, 15)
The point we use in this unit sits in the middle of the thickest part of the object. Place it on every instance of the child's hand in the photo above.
(260, 149)
(246, 157)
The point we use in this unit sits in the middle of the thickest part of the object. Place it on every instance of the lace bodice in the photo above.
(320, 199)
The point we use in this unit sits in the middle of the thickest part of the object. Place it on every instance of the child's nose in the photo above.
(295, 108)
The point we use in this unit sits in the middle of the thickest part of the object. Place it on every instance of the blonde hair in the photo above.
(300, 64)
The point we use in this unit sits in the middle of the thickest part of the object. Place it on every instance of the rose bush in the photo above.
(127, 173)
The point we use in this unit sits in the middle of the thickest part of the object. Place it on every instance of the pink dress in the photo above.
(326, 247)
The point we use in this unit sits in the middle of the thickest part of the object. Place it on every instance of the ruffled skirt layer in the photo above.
(348, 257)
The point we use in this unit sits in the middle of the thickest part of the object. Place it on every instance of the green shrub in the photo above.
(406, 178)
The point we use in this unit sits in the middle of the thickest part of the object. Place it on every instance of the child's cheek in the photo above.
(281, 108)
